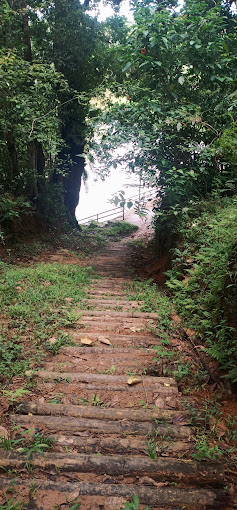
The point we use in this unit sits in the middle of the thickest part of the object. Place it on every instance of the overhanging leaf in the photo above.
(126, 67)
(181, 80)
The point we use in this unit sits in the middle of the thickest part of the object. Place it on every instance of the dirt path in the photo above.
(116, 434)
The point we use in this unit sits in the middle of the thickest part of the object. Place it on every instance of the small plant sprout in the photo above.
(151, 449)
(134, 504)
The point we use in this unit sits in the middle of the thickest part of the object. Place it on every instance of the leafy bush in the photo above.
(203, 277)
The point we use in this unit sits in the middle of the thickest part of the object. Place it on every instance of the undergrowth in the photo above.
(203, 278)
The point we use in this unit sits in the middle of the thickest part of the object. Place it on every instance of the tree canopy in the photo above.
(175, 70)
(179, 80)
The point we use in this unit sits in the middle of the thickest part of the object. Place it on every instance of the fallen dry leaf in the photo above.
(166, 384)
(73, 495)
(104, 340)
(134, 329)
(86, 341)
(133, 380)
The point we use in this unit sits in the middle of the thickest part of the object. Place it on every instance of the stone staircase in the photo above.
(112, 439)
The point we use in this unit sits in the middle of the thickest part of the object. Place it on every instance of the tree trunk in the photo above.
(11, 155)
(26, 32)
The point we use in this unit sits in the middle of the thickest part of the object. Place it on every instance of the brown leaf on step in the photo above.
(180, 419)
(86, 341)
(104, 340)
(219, 427)
(167, 384)
(133, 380)
(73, 495)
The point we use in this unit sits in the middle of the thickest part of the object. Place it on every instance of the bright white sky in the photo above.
(106, 11)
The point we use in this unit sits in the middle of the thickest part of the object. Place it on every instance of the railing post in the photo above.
(123, 212)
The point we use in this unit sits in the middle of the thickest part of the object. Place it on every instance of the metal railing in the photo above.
(118, 213)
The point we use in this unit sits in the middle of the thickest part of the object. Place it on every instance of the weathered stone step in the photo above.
(162, 469)
(156, 497)
(112, 314)
(99, 426)
(100, 413)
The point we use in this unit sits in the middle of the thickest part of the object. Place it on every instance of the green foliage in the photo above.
(28, 443)
(36, 303)
(151, 449)
(204, 450)
(51, 58)
(11, 504)
(203, 277)
(178, 102)
(14, 395)
(12, 358)
(62, 339)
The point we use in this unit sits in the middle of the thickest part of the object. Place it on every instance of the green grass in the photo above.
(34, 306)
